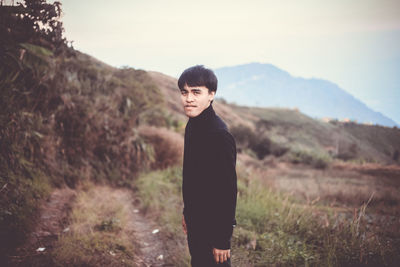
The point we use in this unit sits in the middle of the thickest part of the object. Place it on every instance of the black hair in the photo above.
(198, 76)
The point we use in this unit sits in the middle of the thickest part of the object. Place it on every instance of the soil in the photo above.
(146, 234)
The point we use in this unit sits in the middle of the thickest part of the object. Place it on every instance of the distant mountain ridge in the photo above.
(264, 85)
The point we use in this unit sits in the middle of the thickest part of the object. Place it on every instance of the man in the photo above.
(209, 186)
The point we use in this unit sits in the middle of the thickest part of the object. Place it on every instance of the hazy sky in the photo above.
(353, 43)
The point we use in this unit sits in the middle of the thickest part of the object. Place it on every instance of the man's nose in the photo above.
(189, 97)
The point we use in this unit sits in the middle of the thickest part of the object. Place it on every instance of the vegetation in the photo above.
(319, 161)
(98, 231)
(375, 138)
(167, 146)
(161, 199)
(280, 130)
(23, 91)
(290, 234)
(257, 141)
(273, 228)
(64, 116)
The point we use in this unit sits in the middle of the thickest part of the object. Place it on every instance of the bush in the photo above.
(257, 141)
(262, 146)
(21, 193)
(159, 117)
(278, 150)
(243, 136)
(395, 156)
(167, 145)
(348, 153)
(318, 161)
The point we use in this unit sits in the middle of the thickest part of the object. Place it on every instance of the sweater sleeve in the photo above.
(224, 193)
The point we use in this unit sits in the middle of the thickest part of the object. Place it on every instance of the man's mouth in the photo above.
(190, 106)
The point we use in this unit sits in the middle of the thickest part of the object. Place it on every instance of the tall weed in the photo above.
(284, 232)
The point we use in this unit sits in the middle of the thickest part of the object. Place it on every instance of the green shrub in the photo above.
(257, 141)
(319, 161)
(261, 146)
(243, 136)
(20, 195)
(278, 150)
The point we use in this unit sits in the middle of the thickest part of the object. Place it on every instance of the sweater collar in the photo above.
(204, 116)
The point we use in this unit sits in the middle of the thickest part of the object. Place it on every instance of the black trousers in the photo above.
(201, 251)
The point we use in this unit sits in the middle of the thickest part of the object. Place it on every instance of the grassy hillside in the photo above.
(288, 130)
(338, 140)
(65, 117)
(376, 140)
(297, 132)
(78, 123)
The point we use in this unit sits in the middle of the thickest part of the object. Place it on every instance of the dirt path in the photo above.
(53, 222)
(146, 234)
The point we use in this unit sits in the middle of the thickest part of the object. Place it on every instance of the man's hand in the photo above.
(221, 255)
(184, 224)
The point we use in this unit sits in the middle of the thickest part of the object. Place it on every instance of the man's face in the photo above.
(196, 99)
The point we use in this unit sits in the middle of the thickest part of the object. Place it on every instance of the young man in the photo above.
(209, 185)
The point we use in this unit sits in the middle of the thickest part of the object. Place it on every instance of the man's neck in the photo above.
(206, 113)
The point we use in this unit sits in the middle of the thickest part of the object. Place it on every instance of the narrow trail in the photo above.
(53, 222)
(146, 235)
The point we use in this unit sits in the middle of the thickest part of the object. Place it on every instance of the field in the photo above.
(344, 215)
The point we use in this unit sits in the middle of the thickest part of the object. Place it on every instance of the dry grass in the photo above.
(274, 229)
(99, 231)
(342, 194)
(167, 146)
(339, 185)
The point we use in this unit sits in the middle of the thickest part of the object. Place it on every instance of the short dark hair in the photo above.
(198, 76)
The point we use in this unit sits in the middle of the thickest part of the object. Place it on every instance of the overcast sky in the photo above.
(355, 44)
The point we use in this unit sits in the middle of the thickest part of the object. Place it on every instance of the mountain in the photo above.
(264, 85)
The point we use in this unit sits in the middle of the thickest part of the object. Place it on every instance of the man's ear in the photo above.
(213, 95)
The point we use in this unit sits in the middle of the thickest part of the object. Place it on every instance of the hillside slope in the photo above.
(66, 119)
(297, 131)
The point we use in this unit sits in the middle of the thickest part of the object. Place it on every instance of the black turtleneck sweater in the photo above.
(209, 185)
